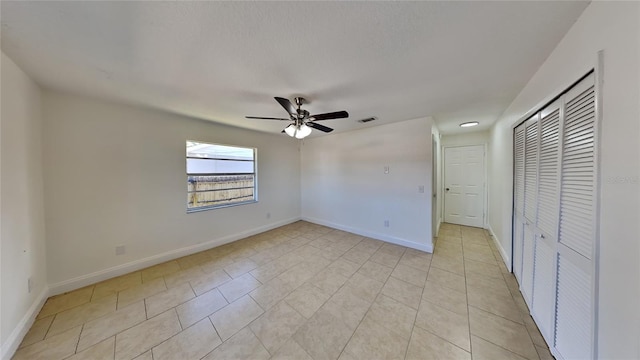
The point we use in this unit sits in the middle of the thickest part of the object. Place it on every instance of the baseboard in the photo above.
(386, 238)
(84, 280)
(438, 227)
(15, 338)
(505, 258)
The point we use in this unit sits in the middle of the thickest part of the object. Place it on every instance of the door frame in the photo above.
(485, 200)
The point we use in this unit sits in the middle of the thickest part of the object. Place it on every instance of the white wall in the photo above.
(615, 28)
(465, 139)
(115, 175)
(344, 184)
(22, 222)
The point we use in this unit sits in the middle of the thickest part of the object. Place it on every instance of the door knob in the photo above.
(447, 189)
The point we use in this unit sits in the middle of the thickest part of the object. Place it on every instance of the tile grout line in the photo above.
(78, 342)
(413, 326)
(51, 325)
(248, 327)
(114, 348)
(520, 313)
(369, 308)
(466, 292)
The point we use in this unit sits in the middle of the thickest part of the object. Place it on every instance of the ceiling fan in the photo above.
(301, 121)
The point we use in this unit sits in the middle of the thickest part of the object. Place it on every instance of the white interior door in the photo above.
(464, 185)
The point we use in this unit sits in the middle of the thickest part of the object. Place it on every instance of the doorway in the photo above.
(464, 185)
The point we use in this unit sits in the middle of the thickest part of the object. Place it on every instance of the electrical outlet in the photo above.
(268, 215)
(421, 189)
(386, 169)
(29, 284)
(120, 250)
(386, 223)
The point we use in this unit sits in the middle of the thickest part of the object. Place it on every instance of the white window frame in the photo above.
(191, 175)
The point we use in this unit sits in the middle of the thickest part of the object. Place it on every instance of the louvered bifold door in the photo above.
(530, 206)
(518, 218)
(576, 239)
(547, 219)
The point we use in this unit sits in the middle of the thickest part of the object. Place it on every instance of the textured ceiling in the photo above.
(220, 61)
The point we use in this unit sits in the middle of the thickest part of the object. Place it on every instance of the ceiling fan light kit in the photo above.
(298, 131)
(301, 122)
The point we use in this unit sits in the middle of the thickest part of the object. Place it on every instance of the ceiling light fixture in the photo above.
(298, 131)
(290, 130)
(469, 124)
(303, 131)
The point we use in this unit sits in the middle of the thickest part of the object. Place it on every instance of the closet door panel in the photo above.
(573, 312)
(519, 148)
(576, 236)
(577, 210)
(518, 244)
(530, 205)
(543, 286)
(518, 218)
(528, 255)
(547, 218)
(531, 169)
(549, 171)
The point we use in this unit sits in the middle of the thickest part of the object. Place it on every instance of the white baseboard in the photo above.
(390, 239)
(15, 338)
(92, 278)
(505, 258)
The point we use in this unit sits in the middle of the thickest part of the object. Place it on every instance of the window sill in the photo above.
(207, 208)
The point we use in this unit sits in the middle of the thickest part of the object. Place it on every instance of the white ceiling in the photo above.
(454, 61)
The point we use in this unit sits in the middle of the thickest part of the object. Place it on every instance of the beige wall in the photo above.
(115, 175)
(344, 184)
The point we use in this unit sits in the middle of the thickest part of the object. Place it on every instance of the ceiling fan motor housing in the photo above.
(301, 119)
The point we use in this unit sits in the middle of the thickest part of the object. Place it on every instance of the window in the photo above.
(219, 175)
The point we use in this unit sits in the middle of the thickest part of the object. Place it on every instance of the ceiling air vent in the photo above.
(367, 120)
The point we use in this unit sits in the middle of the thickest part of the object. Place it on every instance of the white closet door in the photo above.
(530, 206)
(546, 221)
(531, 168)
(518, 219)
(543, 287)
(548, 172)
(574, 319)
(528, 258)
(577, 214)
(555, 217)
(518, 246)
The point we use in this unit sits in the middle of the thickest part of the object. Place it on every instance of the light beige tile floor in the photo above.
(302, 291)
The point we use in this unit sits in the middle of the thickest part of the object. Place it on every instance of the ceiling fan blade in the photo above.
(329, 116)
(319, 127)
(266, 118)
(287, 105)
